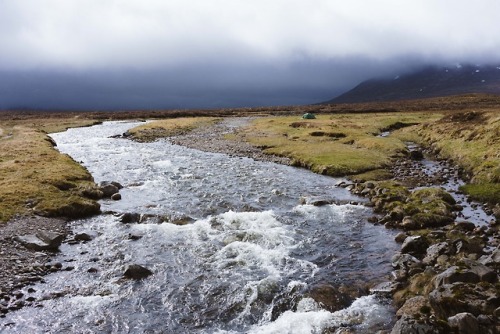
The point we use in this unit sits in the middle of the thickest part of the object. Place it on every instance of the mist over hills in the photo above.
(431, 81)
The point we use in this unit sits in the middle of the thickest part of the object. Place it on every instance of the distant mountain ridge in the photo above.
(432, 81)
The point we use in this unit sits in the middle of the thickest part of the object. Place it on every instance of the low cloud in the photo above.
(161, 54)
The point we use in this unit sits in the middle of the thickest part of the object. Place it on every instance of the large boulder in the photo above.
(451, 299)
(455, 274)
(492, 259)
(469, 272)
(414, 307)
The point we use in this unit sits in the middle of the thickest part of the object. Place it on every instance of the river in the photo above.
(244, 263)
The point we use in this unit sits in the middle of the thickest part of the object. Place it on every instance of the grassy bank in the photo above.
(35, 177)
(169, 127)
(335, 144)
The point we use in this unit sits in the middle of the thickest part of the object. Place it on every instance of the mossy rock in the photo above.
(428, 195)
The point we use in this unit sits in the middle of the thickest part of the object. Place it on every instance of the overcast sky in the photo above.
(99, 54)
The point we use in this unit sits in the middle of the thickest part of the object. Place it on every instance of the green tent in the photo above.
(308, 116)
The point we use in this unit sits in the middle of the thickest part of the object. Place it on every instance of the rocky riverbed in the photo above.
(22, 266)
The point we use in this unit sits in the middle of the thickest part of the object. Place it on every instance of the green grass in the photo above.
(336, 145)
(485, 192)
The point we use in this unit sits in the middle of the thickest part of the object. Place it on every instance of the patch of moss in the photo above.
(373, 175)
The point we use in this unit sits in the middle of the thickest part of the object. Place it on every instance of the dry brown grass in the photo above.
(34, 177)
(169, 127)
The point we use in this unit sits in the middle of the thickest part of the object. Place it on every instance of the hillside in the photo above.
(432, 81)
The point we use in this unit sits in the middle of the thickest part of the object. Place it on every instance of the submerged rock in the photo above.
(333, 298)
(85, 236)
(135, 271)
(116, 197)
(109, 188)
(129, 218)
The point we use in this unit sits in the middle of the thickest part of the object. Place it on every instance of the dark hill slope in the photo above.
(429, 82)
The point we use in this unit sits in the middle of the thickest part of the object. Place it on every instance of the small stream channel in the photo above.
(243, 265)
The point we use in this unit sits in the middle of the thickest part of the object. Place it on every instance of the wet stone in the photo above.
(135, 271)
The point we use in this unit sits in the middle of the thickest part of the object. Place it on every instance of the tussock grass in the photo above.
(35, 177)
(169, 127)
(336, 145)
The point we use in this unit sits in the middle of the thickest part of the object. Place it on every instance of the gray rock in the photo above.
(85, 236)
(53, 239)
(484, 273)
(405, 261)
(400, 238)
(319, 201)
(455, 274)
(413, 307)
(434, 251)
(409, 325)
(408, 223)
(129, 218)
(135, 271)
(492, 259)
(464, 322)
(116, 197)
(415, 245)
(385, 288)
(32, 242)
(116, 184)
(465, 226)
(451, 299)
(108, 188)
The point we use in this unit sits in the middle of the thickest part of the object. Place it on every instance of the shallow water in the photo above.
(243, 265)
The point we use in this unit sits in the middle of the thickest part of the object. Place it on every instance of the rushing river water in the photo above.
(242, 265)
